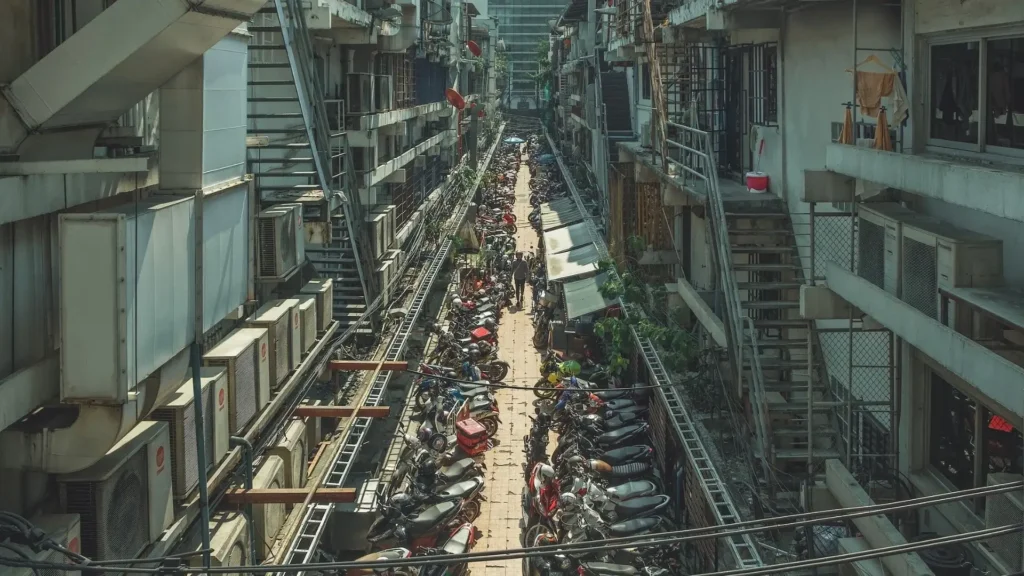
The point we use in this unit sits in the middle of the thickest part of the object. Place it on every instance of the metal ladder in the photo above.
(303, 548)
(742, 547)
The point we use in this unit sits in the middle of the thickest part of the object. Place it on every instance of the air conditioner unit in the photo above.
(125, 500)
(645, 135)
(268, 518)
(263, 378)
(122, 317)
(295, 334)
(308, 312)
(939, 255)
(229, 541)
(397, 257)
(384, 279)
(879, 232)
(281, 241)
(179, 414)
(390, 224)
(323, 290)
(237, 354)
(293, 450)
(276, 319)
(64, 529)
(1003, 510)
(378, 224)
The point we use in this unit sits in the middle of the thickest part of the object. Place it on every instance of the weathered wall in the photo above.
(17, 27)
(935, 16)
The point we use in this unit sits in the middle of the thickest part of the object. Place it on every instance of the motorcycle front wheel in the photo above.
(544, 390)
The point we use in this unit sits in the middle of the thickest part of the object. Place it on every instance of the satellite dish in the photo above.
(454, 98)
(474, 48)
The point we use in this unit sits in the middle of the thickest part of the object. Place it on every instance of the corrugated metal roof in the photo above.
(579, 261)
(584, 296)
(559, 213)
(567, 238)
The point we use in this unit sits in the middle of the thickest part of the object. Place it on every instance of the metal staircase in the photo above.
(302, 152)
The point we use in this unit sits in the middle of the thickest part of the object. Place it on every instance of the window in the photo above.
(977, 94)
(952, 449)
(764, 84)
(957, 435)
(645, 82)
(1005, 93)
(954, 92)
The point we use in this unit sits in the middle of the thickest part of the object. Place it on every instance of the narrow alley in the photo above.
(501, 513)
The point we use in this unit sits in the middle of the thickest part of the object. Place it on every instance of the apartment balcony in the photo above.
(339, 15)
(996, 189)
(725, 14)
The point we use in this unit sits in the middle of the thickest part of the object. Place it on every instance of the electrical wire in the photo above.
(504, 386)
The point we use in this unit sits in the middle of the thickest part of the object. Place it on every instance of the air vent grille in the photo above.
(113, 512)
(871, 245)
(243, 396)
(268, 247)
(920, 280)
(281, 330)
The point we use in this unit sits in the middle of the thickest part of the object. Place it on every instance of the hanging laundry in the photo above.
(871, 88)
(900, 103)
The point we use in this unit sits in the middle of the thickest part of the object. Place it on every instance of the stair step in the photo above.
(779, 364)
(760, 232)
(297, 115)
(269, 83)
(269, 65)
(770, 305)
(765, 267)
(775, 344)
(780, 323)
(289, 187)
(769, 285)
(286, 146)
(801, 406)
(740, 249)
(266, 46)
(789, 387)
(802, 432)
(296, 173)
(753, 215)
(295, 160)
(801, 454)
(252, 28)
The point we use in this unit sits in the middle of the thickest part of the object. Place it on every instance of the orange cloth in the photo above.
(846, 136)
(871, 88)
(882, 139)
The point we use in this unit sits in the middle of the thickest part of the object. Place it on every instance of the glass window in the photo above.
(1004, 93)
(645, 81)
(954, 92)
(952, 449)
(1002, 445)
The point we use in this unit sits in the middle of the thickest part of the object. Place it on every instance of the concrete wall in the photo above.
(934, 16)
(17, 29)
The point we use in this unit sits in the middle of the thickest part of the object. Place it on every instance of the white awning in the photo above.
(583, 297)
(558, 214)
(579, 261)
(567, 238)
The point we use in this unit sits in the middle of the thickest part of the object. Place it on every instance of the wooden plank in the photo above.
(357, 365)
(289, 496)
(342, 411)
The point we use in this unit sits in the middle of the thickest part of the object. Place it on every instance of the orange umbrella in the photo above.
(882, 139)
(846, 136)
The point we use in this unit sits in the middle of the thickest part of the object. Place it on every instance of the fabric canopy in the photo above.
(579, 261)
(583, 297)
(558, 214)
(567, 238)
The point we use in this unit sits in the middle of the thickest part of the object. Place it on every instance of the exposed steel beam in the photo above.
(357, 365)
(241, 496)
(342, 411)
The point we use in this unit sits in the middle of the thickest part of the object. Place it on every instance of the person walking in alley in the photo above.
(520, 273)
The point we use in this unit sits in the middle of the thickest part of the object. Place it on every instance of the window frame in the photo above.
(764, 84)
(980, 150)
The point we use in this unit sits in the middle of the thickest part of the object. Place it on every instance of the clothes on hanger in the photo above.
(871, 88)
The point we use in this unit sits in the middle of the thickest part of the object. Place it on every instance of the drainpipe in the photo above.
(247, 464)
(204, 497)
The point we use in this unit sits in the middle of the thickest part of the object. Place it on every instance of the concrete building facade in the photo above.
(830, 190)
(179, 182)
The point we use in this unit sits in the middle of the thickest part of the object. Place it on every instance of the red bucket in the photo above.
(757, 182)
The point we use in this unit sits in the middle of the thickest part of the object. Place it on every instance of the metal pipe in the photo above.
(247, 465)
(197, 406)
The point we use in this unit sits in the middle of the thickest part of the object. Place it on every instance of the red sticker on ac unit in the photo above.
(220, 398)
(160, 459)
(75, 546)
(263, 351)
(296, 320)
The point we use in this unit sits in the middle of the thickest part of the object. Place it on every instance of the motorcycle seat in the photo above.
(632, 489)
(619, 404)
(625, 453)
(620, 420)
(613, 394)
(430, 517)
(631, 470)
(460, 489)
(617, 434)
(480, 402)
(459, 542)
(456, 469)
(635, 526)
(635, 506)
(609, 569)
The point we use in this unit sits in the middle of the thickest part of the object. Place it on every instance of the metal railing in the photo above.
(329, 149)
(699, 164)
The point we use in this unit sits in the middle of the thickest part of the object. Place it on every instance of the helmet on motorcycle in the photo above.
(401, 500)
(490, 325)
(473, 346)
(456, 302)
(424, 433)
(546, 472)
(428, 468)
(568, 501)
(451, 374)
